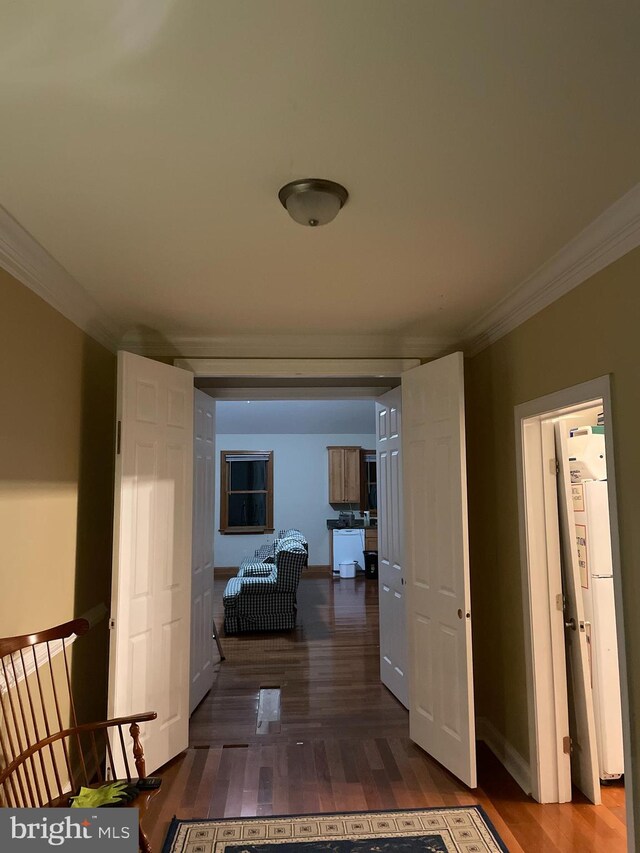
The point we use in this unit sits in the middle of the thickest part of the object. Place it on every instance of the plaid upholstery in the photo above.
(265, 551)
(292, 533)
(255, 570)
(291, 558)
(265, 602)
(263, 554)
(255, 565)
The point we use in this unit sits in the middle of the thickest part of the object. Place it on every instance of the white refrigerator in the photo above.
(593, 540)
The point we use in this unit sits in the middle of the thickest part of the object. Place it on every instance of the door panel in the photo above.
(151, 591)
(584, 755)
(203, 654)
(441, 708)
(393, 635)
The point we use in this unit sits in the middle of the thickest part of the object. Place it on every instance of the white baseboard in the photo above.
(514, 763)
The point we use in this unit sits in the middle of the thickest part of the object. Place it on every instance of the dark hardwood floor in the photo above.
(299, 723)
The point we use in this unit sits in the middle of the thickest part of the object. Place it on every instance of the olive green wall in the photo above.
(57, 387)
(592, 331)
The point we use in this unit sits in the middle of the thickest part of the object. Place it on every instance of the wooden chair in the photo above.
(45, 754)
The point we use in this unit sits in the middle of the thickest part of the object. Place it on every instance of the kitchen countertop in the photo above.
(357, 524)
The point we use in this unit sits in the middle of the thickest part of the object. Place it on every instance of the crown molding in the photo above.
(614, 233)
(26, 260)
(275, 345)
(299, 368)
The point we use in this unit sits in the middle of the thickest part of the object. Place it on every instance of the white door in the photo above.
(391, 581)
(436, 554)
(584, 753)
(151, 589)
(203, 654)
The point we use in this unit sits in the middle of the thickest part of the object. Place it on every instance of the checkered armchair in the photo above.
(266, 602)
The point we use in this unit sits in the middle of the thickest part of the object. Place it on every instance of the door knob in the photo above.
(571, 623)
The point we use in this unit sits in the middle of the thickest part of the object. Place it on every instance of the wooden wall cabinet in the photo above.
(344, 475)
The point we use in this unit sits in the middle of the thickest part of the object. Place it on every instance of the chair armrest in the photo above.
(258, 585)
(255, 570)
(87, 728)
(248, 586)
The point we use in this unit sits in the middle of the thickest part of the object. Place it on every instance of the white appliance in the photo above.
(348, 570)
(593, 539)
(348, 545)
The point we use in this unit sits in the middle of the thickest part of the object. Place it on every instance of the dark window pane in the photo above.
(247, 476)
(373, 496)
(248, 510)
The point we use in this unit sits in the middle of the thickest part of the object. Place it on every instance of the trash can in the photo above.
(348, 569)
(370, 564)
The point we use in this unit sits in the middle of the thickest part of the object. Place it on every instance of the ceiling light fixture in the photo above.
(313, 201)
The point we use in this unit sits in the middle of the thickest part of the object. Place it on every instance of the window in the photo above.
(368, 481)
(246, 491)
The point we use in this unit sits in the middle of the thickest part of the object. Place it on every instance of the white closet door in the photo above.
(393, 620)
(584, 753)
(151, 592)
(203, 652)
(441, 707)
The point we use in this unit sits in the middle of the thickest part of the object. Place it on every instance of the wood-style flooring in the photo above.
(300, 723)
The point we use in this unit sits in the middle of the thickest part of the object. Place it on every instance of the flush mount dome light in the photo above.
(313, 201)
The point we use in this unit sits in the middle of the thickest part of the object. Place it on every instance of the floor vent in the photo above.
(268, 718)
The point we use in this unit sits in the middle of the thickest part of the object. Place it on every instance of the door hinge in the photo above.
(112, 623)
(554, 465)
(567, 745)
(118, 437)
(560, 602)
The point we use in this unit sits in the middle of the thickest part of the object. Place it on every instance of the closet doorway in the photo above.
(574, 630)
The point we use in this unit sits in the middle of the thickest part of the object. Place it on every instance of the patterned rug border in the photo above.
(176, 821)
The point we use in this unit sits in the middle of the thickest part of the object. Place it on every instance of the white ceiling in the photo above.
(319, 417)
(144, 142)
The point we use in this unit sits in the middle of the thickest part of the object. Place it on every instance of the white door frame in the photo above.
(538, 587)
(302, 369)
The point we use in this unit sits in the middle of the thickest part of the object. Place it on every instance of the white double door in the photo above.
(152, 572)
(203, 655)
(391, 579)
(424, 561)
(162, 648)
(151, 587)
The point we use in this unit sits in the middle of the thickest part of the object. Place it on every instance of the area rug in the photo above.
(460, 829)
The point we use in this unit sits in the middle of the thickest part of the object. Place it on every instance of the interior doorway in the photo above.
(438, 608)
(156, 479)
(300, 437)
(572, 595)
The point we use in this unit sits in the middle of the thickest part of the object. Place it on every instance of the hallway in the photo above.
(300, 723)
